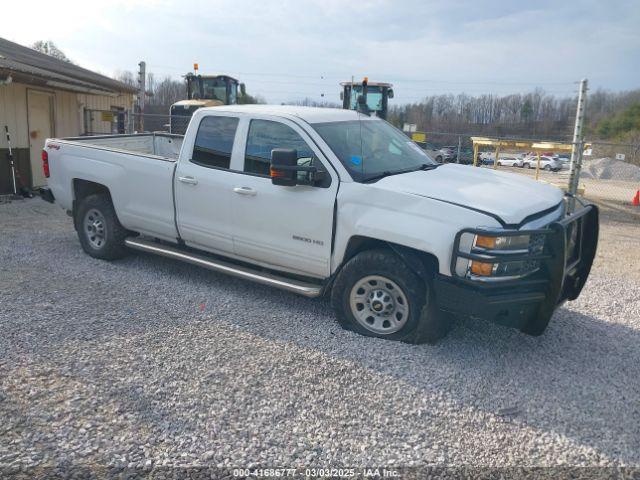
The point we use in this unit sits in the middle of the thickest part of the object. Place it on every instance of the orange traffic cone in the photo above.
(636, 199)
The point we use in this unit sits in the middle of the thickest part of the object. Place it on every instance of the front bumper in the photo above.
(528, 303)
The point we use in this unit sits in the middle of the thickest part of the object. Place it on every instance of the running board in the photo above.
(283, 283)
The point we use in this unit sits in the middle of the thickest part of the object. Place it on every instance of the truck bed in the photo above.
(137, 169)
(158, 144)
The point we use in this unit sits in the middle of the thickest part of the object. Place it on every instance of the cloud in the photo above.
(291, 49)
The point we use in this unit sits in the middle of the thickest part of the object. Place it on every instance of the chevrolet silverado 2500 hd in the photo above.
(322, 200)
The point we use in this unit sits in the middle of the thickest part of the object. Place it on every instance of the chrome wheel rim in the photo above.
(95, 228)
(379, 304)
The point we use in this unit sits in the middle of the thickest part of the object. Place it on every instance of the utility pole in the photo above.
(578, 145)
(459, 145)
(142, 75)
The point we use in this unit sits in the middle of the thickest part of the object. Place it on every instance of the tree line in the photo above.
(530, 115)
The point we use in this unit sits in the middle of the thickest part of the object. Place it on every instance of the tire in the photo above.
(394, 284)
(525, 165)
(499, 164)
(99, 230)
(439, 159)
(547, 168)
(536, 326)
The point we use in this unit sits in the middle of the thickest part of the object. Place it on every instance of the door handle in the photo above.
(245, 191)
(189, 180)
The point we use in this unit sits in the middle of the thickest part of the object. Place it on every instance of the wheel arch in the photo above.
(82, 189)
(423, 263)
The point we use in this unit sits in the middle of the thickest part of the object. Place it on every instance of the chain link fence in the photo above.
(105, 122)
(111, 122)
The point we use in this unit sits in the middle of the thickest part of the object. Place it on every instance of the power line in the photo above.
(395, 77)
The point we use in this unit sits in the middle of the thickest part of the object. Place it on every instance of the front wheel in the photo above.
(547, 168)
(376, 294)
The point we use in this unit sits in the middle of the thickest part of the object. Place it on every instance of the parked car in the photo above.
(328, 201)
(486, 160)
(509, 161)
(546, 163)
(565, 161)
(432, 151)
(449, 153)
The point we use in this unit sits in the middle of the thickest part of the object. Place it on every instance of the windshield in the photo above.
(374, 97)
(371, 147)
(214, 89)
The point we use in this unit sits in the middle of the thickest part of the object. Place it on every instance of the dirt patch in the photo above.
(619, 244)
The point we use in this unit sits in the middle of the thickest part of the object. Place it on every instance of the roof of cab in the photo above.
(308, 114)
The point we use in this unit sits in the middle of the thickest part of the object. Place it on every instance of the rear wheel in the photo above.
(547, 168)
(376, 294)
(99, 230)
(525, 165)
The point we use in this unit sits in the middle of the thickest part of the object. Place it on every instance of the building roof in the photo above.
(308, 114)
(30, 66)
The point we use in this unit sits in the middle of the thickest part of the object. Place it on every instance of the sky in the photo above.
(291, 49)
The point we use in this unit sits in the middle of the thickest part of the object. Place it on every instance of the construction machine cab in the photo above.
(369, 97)
(203, 91)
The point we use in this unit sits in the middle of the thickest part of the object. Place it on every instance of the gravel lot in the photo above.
(146, 361)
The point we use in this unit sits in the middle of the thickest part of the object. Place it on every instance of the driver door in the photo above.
(289, 228)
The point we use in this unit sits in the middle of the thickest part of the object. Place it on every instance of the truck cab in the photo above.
(375, 95)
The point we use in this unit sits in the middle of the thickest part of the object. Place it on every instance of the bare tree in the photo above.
(49, 48)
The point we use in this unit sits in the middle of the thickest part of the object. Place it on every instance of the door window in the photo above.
(264, 136)
(214, 142)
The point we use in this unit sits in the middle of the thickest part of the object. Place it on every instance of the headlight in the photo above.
(498, 257)
(514, 242)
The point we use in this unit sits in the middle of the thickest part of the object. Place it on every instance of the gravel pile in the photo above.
(610, 169)
(146, 362)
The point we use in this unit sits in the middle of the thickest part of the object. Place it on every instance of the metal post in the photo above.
(459, 145)
(475, 154)
(495, 160)
(578, 144)
(142, 75)
(538, 165)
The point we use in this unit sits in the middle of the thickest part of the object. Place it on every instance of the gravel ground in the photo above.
(148, 362)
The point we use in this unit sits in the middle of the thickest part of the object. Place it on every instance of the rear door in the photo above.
(203, 186)
(288, 227)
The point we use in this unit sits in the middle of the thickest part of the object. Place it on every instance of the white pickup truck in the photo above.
(319, 201)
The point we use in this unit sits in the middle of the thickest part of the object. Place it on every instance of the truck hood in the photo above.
(508, 196)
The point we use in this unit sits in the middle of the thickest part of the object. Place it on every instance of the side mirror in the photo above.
(390, 93)
(284, 166)
(284, 169)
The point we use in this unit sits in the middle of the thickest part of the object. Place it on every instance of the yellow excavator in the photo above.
(203, 91)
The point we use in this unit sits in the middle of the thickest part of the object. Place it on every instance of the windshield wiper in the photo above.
(428, 166)
(388, 173)
(378, 176)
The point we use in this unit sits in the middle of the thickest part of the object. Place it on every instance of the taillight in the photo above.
(45, 163)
